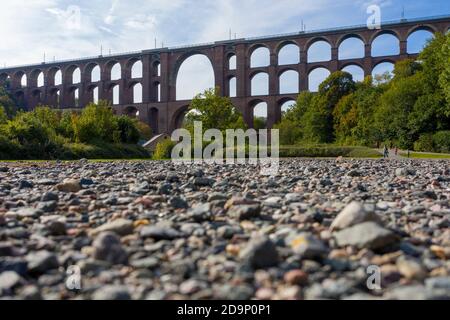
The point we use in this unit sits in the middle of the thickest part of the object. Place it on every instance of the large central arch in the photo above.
(195, 74)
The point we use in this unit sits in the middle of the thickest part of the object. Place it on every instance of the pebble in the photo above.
(112, 292)
(42, 261)
(244, 212)
(160, 233)
(9, 280)
(260, 253)
(367, 235)
(411, 268)
(69, 185)
(121, 227)
(108, 248)
(296, 277)
(153, 230)
(307, 246)
(353, 214)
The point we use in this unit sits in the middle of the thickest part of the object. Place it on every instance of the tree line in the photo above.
(409, 109)
(46, 133)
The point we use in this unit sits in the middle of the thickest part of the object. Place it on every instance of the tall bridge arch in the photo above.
(231, 62)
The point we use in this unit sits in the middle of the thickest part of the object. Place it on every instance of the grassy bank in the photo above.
(76, 151)
(420, 155)
(164, 149)
(327, 151)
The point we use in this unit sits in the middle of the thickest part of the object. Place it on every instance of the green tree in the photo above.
(318, 122)
(129, 132)
(214, 111)
(444, 78)
(3, 116)
(7, 102)
(96, 123)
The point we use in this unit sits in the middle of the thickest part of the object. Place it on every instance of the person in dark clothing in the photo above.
(386, 152)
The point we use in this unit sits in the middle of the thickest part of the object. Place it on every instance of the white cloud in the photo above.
(30, 28)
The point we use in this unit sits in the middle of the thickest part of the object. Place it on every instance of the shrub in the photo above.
(441, 141)
(425, 143)
(290, 132)
(145, 132)
(97, 122)
(164, 149)
(128, 130)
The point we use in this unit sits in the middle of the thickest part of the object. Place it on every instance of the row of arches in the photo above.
(73, 74)
(73, 96)
(188, 86)
(353, 47)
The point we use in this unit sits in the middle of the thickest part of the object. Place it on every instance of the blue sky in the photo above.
(30, 28)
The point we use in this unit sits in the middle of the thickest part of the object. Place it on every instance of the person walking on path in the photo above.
(386, 152)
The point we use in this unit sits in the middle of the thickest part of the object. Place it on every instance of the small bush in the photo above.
(164, 149)
(425, 143)
(441, 141)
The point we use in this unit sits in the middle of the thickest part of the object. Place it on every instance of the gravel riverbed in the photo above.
(320, 229)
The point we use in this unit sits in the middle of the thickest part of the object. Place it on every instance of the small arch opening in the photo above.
(95, 74)
(116, 94)
(319, 51)
(316, 77)
(137, 93)
(260, 58)
(137, 70)
(383, 72)
(116, 72)
(58, 78)
(260, 115)
(40, 79)
(286, 106)
(289, 54)
(356, 71)
(289, 82)
(232, 64)
(260, 84)
(351, 48)
(418, 40)
(385, 45)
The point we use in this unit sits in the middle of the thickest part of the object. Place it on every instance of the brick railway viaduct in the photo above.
(159, 106)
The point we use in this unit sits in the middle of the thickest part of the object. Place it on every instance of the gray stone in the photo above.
(121, 227)
(69, 185)
(411, 268)
(178, 203)
(9, 280)
(41, 261)
(50, 196)
(24, 184)
(28, 213)
(366, 235)
(411, 292)
(107, 247)
(260, 253)
(48, 206)
(245, 212)
(438, 288)
(307, 246)
(201, 212)
(353, 214)
(112, 292)
(161, 233)
(145, 263)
